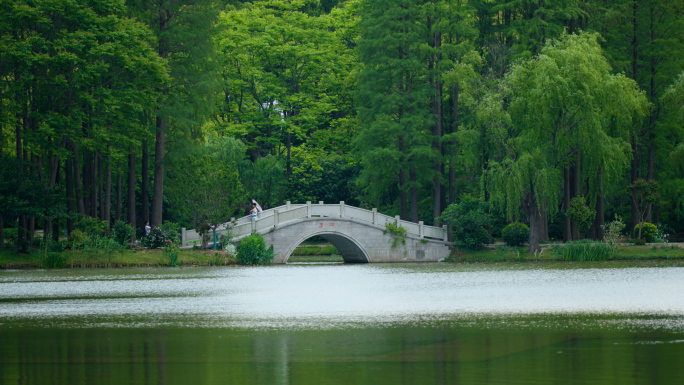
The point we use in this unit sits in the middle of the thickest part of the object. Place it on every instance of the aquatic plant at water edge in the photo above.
(515, 234)
(171, 251)
(54, 261)
(586, 250)
(252, 251)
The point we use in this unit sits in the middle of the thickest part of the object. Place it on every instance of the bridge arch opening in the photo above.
(350, 250)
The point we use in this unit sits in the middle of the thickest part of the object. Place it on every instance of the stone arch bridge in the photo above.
(357, 233)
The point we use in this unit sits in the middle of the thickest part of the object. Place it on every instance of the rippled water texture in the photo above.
(412, 323)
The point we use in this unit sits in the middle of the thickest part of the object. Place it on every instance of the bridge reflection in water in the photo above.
(360, 235)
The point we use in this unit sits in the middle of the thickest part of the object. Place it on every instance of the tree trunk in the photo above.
(403, 188)
(567, 232)
(108, 193)
(158, 193)
(118, 193)
(436, 144)
(413, 188)
(288, 160)
(145, 187)
(69, 182)
(78, 189)
(453, 149)
(634, 220)
(575, 190)
(131, 189)
(535, 225)
(101, 188)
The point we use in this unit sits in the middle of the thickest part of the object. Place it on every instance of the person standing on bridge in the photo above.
(254, 211)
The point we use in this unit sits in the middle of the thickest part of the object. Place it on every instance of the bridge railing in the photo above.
(273, 217)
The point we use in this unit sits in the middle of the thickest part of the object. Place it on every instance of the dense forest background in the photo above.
(182, 110)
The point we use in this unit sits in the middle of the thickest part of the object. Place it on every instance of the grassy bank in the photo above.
(10, 259)
(555, 253)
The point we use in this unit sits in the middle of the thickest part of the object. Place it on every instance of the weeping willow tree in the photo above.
(561, 109)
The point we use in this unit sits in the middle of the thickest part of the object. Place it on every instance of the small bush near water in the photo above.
(586, 250)
(515, 234)
(122, 232)
(648, 232)
(253, 251)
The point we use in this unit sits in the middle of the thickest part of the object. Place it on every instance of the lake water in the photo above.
(602, 323)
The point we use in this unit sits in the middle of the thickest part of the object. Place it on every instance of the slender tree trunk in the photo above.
(535, 225)
(131, 189)
(453, 149)
(634, 220)
(403, 187)
(567, 232)
(158, 193)
(77, 179)
(87, 166)
(145, 187)
(576, 181)
(413, 195)
(436, 144)
(599, 222)
(93, 185)
(101, 187)
(288, 160)
(21, 231)
(108, 193)
(118, 193)
(69, 182)
(634, 177)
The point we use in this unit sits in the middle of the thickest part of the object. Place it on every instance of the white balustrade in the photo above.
(277, 216)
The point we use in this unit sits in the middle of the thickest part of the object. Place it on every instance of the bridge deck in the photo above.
(272, 218)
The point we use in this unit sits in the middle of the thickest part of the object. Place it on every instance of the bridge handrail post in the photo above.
(275, 217)
(446, 233)
(421, 230)
(397, 219)
(375, 216)
(308, 209)
(184, 237)
(341, 209)
(287, 205)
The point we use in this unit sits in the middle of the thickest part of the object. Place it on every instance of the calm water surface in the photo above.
(604, 323)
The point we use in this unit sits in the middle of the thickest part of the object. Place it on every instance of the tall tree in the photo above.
(566, 109)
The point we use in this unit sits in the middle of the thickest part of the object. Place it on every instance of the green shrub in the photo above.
(155, 239)
(122, 232)
(468, 220)
(172, 231)
(11, 234)
(78, 239)
(515, 234)
(648, 232)
(54, 261)
(639, 242)
(252, 251)
(92, 227)
(586, 250)
(56, 247)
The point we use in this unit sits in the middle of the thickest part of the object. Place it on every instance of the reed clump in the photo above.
(586, 250)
